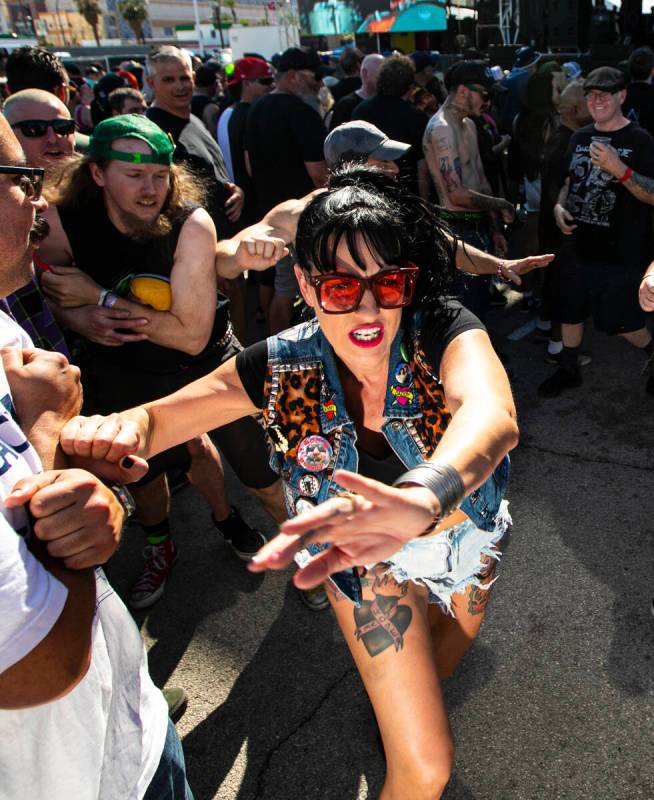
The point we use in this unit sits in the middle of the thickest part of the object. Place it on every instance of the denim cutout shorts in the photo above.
(450, 561)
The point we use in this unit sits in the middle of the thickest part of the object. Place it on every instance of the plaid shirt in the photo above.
(30, 310)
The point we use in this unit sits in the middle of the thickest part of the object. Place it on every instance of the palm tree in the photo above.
(135, 13)
(219, 21)
(91, 10)
(231, 4)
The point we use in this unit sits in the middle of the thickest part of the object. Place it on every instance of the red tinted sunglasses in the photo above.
(339, 293)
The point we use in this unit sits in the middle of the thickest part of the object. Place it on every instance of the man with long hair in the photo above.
(131, 222)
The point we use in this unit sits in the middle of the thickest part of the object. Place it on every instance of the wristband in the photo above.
(103, 296)
(124, 498)
(626, 176)
(110, 300)
(442, 480)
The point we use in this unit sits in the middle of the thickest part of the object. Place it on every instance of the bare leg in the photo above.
(206, 473)
(452, 636)
(639, 339)
(400, 677)
(152, 501)
(272, 499)
(572, 334)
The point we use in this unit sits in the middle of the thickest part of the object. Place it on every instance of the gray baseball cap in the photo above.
(362, 137)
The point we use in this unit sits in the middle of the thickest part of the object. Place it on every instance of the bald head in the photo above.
(572, 106)
(369, 69)
(46, 142)
(19, 106)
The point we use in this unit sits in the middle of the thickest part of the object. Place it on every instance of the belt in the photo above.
(470, 216)
(225, 339)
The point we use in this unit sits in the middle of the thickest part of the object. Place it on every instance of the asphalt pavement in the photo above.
(554, 701)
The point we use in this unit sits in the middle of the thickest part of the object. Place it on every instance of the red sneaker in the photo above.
(148, 588)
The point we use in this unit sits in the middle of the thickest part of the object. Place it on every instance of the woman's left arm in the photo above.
(483, 426)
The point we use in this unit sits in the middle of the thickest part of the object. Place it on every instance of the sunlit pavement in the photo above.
(554, 700)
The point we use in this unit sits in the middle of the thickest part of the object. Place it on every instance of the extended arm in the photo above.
(208, 403)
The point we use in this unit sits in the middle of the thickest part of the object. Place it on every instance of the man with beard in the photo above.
(126, 217)
(77, 702)
(452, 153)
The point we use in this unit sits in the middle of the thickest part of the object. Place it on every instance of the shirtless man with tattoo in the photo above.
(452, 154)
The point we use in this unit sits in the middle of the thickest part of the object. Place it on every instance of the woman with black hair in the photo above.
(389, 375)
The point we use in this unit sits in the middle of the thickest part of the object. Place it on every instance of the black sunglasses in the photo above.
(266, 81)
(31, 179)
(479, 90)
(35, 128)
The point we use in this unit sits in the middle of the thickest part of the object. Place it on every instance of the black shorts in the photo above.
(607, 292)
(108, 388)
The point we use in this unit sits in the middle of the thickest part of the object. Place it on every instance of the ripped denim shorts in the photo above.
(451, 560)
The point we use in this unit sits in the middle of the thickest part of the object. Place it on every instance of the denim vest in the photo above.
(312, 435)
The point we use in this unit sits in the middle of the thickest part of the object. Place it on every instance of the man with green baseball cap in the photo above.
(131, 126)
(144, 252)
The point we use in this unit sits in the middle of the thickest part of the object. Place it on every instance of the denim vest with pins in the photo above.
(312, 435)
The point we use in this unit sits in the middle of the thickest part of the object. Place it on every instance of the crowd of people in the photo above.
(288, 265)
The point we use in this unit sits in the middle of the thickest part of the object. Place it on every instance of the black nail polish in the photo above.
(127, 462)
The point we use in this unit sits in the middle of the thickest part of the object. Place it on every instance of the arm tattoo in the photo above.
(381, 623)
(642, 182)
(446, 170)
(484, 202)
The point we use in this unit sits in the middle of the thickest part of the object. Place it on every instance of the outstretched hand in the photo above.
(361, 529)
(513, 270)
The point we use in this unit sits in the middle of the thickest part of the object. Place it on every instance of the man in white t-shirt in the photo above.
(79, 715)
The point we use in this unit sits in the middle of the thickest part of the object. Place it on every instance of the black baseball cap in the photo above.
(302, 58)
(470, 72)
(605, 79)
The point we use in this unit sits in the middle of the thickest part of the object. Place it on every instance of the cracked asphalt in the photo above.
(553, 701)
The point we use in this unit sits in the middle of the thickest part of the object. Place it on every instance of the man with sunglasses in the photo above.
(606, 213)
(46, 132)
(43, 126)
(452, 153)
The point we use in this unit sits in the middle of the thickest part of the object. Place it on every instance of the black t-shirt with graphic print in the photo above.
(612, 225)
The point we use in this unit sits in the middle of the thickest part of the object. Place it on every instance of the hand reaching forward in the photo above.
(362, 529)
(514, 269)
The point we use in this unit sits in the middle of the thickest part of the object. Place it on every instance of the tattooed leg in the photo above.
(392, 650)
(452, 636)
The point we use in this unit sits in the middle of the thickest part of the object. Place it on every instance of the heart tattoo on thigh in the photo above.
(381, 623)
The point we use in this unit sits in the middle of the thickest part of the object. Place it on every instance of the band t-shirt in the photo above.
(612, 225)
(282, 134)
(376, 458)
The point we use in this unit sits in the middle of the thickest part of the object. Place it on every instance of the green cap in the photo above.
(131, 126)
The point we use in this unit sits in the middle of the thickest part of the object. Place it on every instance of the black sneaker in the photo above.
(244, 540)
(583, 359)
(561, 380)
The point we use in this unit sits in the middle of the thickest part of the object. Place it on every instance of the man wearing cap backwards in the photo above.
(603, 207)
(452, 153)
(284, 139)
(127, 211)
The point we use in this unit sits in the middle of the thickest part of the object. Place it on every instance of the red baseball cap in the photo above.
(249, 69)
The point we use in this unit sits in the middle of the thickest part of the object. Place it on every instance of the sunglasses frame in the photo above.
(49, 123)
(34, 175)
(410, 270)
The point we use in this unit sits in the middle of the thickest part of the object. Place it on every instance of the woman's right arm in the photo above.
(208, 403)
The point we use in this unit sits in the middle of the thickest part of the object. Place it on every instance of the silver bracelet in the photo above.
(442, 480)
